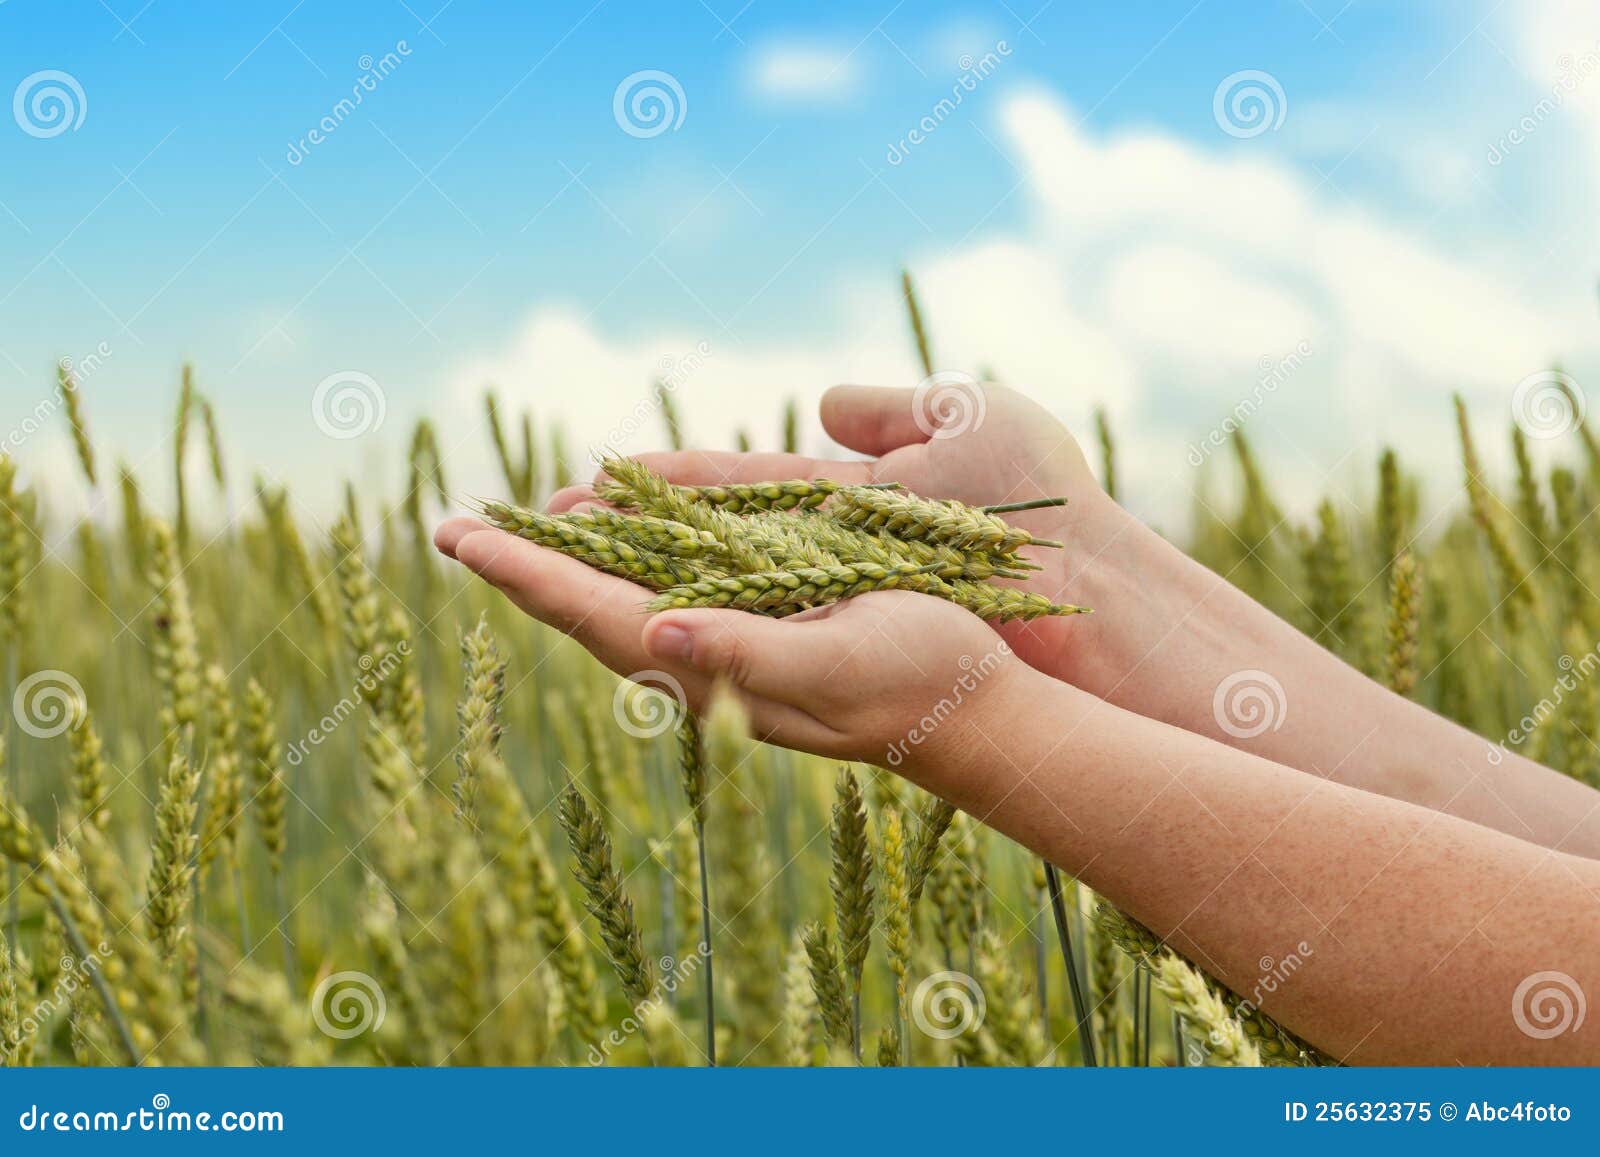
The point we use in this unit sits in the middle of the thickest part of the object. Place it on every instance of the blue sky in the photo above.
(483, 204)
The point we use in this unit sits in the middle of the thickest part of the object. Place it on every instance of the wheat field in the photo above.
(281, 792)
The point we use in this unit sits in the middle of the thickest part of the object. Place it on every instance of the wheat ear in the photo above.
(1405, 596)
(895, 866)
(67, 387)
(607, 902)
(827, 984)
(851, 884)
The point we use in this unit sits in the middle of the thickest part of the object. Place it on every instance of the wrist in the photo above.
(969, 738)
(1140, 587)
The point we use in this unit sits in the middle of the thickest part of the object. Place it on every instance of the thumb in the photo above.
(872, 419)
(785, 660)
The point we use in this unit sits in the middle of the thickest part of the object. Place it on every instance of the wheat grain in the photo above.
(893, 863)
(477, 714)
(784, 592)
(1405, 595)
(827, 984)
(219, 822)
(608, 903)
(90, 772)
(948, 522)
(802, 1015)
(13, 553)
(851, 885)
(612, 555)
(175, 645)
(172, 855)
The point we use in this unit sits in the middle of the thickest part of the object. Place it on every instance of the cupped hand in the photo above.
(989, 445)
(852, 680)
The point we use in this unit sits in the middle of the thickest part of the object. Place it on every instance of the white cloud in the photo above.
(803, 70)
(1153, 276)
(1557, 44)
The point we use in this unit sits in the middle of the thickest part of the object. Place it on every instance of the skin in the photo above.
(1418, 878)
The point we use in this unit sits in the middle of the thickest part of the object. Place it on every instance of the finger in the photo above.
(451, 531)
(604, 613)
(787, 662)
(872, 419)
(723, 467)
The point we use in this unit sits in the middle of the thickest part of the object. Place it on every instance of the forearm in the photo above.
(1418, 926)
(1169, 633)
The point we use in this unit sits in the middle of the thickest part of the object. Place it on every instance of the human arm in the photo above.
(1168, 633)
(1419, 926)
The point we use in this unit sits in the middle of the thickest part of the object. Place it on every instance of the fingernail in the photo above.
(672, 643)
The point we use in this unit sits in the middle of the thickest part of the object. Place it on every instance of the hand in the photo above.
(853, 680)
(1002, 448)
